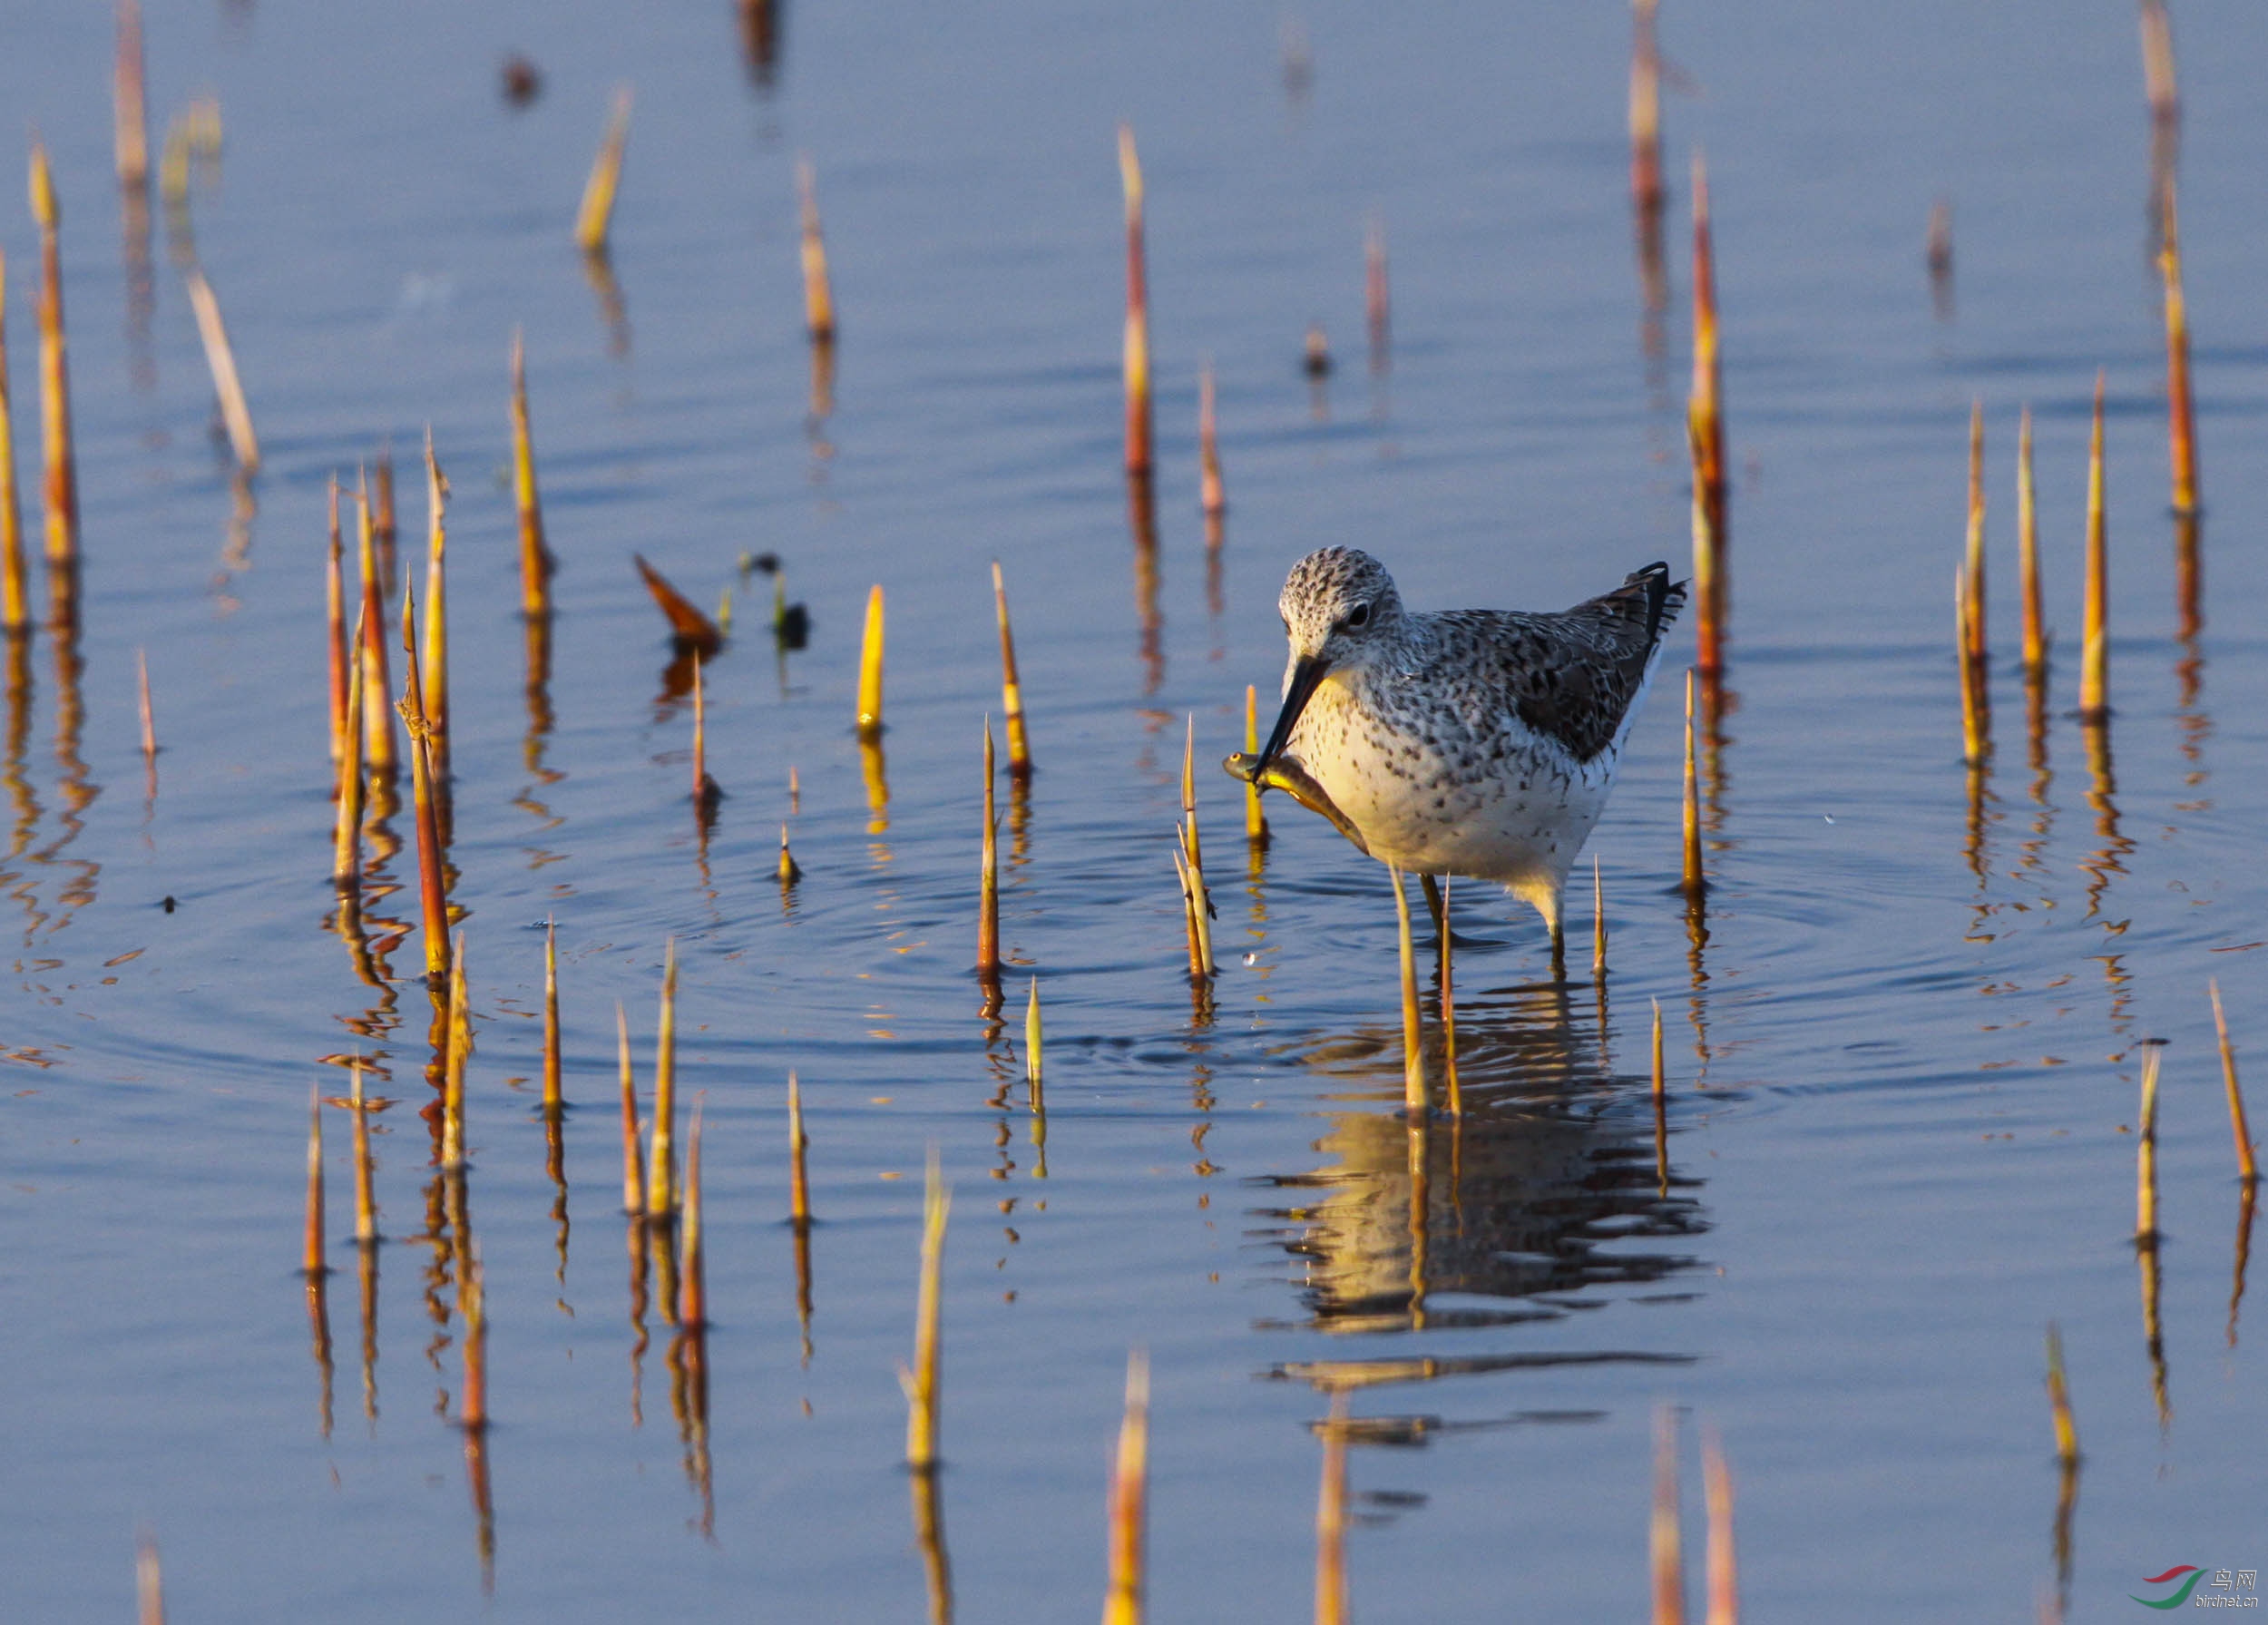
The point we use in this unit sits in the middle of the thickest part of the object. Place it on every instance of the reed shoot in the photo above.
(2059, 1401)
(1033, 1039)
(149, 718)
(661, 1163)
(1694, 883)
(1705, 424)
(633, 1171)
(1597, 922)
(818, 292)
(798, 1175)
(536, 563)
(789, 870)
(457, 1046)
(437, 672)
(1011, 689)
(1668, 1559)
(707, 792)
(870, 668)
(597, 213)
(1213, 495)
(2095, 656)
(15, 607)
(335, 589)
(1975, 647)
(1975, 722)
(1661, 1108)
(377, 710)
(923, 1392)
(311, 1263)
(1255, 815)
(1646, 110)
(2247, 1170)
(129, 102)
(692, 1271)
(1199, 899)
(1724, 1563)
(2181, 421)
(432, 897)
(2145, 1231)
(988, 877)
(1376, 301)
(221, 360)
(2028, 551)
(62, 484)
(347, 849)
(365, 1202)
(555, 1099)
(1130, 1494)
(1136, 360)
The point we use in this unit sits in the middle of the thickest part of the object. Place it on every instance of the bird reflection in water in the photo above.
(1546, 1188)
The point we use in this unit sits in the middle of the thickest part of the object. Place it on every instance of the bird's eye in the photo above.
(1359, 615)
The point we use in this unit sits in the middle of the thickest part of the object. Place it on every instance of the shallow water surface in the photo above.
(1902, 1037)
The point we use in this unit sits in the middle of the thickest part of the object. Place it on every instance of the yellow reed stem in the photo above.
(1256, 817)
(2181, 412)
(1033, 1039)
(2247, 1170)
(221, 360)
(432, 897)
(2146, 1233)
(987, 876)
(334, 590)
(633, 1174)
(365, 1200)
(661, 1163)
(692, 1273)
(1213, 495)
(1201, 904)
(799, 1142)
(1706, 432)
(1331, 1518)
(1975, 742)
(2027, 549)
(347, 847)
(2059, 1401)
(705, 791)
(1668, 1559)
(818, 292)
(436, 673)
(536, 563)
(870, 668)
(15, 598)
(1976, 649)
(61, 487)
(130, 101)
(1646, 110)
(1415, 1095)
(1011, 688)
(2094, 657)
(789, 870)
(1723, 1564)
(1199, 964)
(597, 213)
(1694, 883)
(1137, 349)
(555, 1099)
(377, 687)
(312, 1260)
(1130, 1494)
(1597, 922)
(923, 1391)
(1661, 1108)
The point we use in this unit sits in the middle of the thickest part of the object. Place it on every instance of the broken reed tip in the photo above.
(2247, 1169)
(595, 216)
(149, 722)
(1012, 686)
(2059, 1401)
(1130, 1492)
(818, 292)
(789, 870)
(2145, 1230)
(921, 1380)
(799, 1142)
(633, 1171)
(313, 1247)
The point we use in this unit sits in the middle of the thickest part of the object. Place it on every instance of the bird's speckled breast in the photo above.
(1462, 790)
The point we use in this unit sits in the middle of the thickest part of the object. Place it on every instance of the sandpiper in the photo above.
(1476, 742)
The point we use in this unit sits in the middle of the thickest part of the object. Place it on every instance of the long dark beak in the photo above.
(1307, 673)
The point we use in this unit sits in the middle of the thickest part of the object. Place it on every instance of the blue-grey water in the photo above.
(1902, 1059)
